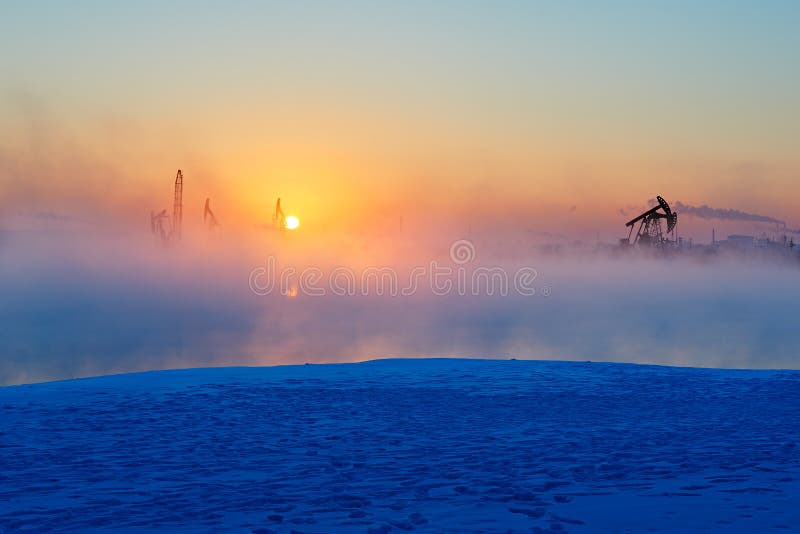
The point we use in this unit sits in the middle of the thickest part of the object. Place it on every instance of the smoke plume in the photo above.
(707, 212)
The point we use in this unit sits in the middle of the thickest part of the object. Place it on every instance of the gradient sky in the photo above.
(390, 129)
(349, 109)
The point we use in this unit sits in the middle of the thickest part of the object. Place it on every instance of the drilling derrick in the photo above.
(208, 216)
(177, 206)
(279, 218)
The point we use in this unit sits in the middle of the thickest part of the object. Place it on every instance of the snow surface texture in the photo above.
(405, 445)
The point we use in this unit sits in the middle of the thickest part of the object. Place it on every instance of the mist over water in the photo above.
(90, 303)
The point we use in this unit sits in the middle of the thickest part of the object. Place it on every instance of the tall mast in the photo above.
(177, 206)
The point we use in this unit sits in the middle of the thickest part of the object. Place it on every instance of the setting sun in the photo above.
(292, 222)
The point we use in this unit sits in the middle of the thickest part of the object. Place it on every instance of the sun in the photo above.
(292, 222)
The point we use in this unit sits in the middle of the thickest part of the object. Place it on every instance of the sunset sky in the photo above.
(391, 129)
(554, 115)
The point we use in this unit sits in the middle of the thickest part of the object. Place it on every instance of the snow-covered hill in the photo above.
(405, 445)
